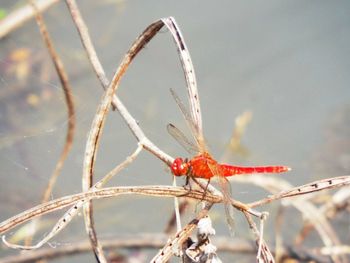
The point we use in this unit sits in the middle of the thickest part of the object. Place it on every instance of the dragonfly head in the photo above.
(179, 167)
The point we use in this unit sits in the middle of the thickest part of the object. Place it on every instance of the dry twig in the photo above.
(69, 102)
(56, 204)
(93, 191)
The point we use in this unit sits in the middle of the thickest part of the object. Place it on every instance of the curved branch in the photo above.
(158, 190)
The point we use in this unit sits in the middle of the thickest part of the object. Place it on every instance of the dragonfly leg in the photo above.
(185, 194)
(201, 186)
(205, 190)
(188, 174)
(187, 183)
(187, 186)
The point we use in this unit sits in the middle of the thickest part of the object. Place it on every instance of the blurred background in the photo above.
(287, 62)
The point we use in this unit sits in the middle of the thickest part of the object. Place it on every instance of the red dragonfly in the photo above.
(203, 165)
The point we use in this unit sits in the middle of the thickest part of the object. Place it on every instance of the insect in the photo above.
(204, 166)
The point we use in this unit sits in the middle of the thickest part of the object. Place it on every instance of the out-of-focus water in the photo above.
(287, 62)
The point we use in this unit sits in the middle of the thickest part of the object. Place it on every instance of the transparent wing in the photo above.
(225, 188)
(198, 137)
(182, 139)
(189, 72)
(226, 191)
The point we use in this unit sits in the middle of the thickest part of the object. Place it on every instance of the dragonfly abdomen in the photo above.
(230, 170)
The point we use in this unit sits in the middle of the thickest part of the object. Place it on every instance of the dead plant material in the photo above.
(180, 243)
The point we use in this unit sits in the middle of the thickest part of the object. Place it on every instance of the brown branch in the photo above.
(190, 77)
(264, 252)
(56, 204)
(98, 124)
(101, 114)
(309, 211)
(63, 76)
(148, 34)
(156, 241)
(175, 244)
(328, 183)
(338, 202)
(86, 41)
(73, 211)
(67, 93)
(68, 98)
(116, 102)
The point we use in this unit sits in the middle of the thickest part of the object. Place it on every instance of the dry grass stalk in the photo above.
(59, 203)
(94, 191)
(67, 90)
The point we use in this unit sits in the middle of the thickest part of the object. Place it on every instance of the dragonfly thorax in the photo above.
(179, 167)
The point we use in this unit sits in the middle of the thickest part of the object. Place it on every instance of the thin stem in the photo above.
(56, 204)
(69, 102)
(176, 242)
(116, 102)
(264, 254)
(73, 211)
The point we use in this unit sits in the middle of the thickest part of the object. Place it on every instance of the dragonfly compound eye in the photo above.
(178, 167)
